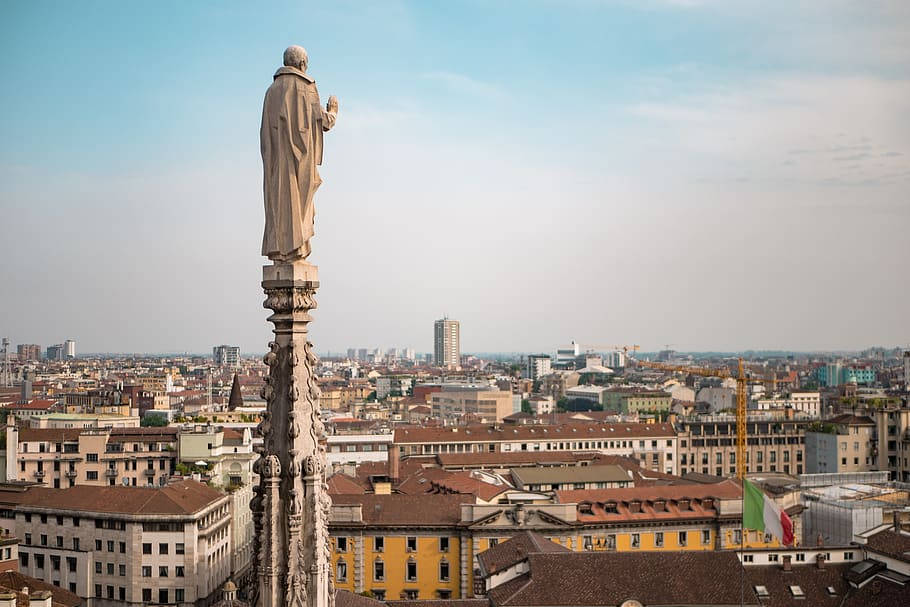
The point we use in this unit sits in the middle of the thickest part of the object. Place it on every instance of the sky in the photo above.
(712, 175)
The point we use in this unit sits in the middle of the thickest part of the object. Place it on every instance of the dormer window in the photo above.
(660, 506)
(610, 508)
(635, 506)
(683, 504)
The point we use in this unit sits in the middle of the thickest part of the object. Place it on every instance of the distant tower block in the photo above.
(447, 343)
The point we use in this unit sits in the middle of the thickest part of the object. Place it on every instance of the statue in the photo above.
(291, 143)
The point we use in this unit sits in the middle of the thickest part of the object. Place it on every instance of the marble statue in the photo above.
(293, 122)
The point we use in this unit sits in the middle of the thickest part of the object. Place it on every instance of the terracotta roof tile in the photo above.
(408, 510)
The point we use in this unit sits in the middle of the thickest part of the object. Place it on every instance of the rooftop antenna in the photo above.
(7, 380)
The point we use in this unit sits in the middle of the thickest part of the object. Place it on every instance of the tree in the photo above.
(155, 420)
(526, 407)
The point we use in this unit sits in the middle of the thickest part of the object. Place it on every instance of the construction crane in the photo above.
(742, 381)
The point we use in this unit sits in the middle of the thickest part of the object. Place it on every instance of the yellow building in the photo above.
(425, 546)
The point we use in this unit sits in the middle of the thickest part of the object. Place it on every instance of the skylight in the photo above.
(797, 592)
(762, 591)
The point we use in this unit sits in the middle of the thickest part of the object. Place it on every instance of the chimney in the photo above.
(819, 540)
(7, 599)
(394, 462)
(787, 566)
(820, 561)
(896, 518)
(42, 598)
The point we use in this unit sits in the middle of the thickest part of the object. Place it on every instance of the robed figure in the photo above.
(293, 121)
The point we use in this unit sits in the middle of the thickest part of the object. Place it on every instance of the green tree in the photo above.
(155, 420)
(526, 407)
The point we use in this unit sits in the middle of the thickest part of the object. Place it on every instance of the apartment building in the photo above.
(636, 400)
(358, 448)
(654, 445)
(806, 403)
(106, 402)
(426, 546)
(707, 445)
(845, 443)
(123, 546)
(892, 436)
(488, 403)
(61, 458)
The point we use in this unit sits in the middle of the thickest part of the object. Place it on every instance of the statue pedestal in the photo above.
(291, 506)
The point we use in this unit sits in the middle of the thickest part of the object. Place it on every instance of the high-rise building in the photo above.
(28, 352)
(54, 352)
(616, 360)
(69, 348)
(226, 356)
(566, 355)
(539, 365)
(447, 343)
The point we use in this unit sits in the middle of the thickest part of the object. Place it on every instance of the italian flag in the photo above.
(760, 513)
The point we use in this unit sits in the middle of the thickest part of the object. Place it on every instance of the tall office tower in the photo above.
(352, 353)
(69, 348)
(54, 352)
(447, 343)
(226, 356)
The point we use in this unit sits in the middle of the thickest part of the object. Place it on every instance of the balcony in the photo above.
(149, 472)
(71, 474)
(39, 474)
(110, 473)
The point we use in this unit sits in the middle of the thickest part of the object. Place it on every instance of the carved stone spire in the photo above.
(291, 504)
(236, 399)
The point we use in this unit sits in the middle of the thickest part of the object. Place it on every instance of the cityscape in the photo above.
(609, 308)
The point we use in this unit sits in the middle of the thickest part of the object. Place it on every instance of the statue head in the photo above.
(295, 56)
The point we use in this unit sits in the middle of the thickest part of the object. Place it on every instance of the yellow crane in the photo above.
(742, 382)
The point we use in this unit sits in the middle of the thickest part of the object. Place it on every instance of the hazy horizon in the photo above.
(711, 175)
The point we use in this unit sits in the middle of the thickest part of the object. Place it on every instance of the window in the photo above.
(411, 570)
(23, 559)
(443, 544)
(59, 540)
(146, 548)
(412, 544)
(179, 596)
(122, 571)
(378, 571)
(146, 595)
(39, 561)
(162, 571)
(378, 544)
(772, 558)
(76, 543)
(341, 544)
(71, 564)
(91, 457)
(98, 591)
(146, 571)
(178, 549)
(848, 556)
(178, 571)
(98, 567)
(55, 562)
(110, 592)
(110, 545)
(762, 592)
(706, 536)
(43, 540)
(444, 571)
(110, 569)
(123, 547)
(748, 558)
(659, 539)
(28, 539)
(683, 538)
(162, 548)
(121, 593)
(341, 571)
(91, 475)
(797, 592)
(636, 540)
(162, 596)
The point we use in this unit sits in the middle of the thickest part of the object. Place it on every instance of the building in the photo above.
(61, 458)
(807, 403)
(455, 401)
(226, 356)
(427, 546)
(542, 405)
(836, 374)
(566, 356)
(447, 343)
(637, 400)
(653, 445)
(392, 386)
(845, 443)
(892, 440)
(124, 546)
(357, 448)
(616, 360)
(69, 349)
(54, 352)
(593, 394)
(557, 478)
(28, 352)
(532, 571)
(707, 445)
(539, 365)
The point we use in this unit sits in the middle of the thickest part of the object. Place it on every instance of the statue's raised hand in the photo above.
(332, 105)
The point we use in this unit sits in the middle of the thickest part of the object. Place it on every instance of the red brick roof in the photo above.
(515, 550)
(181, 498)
